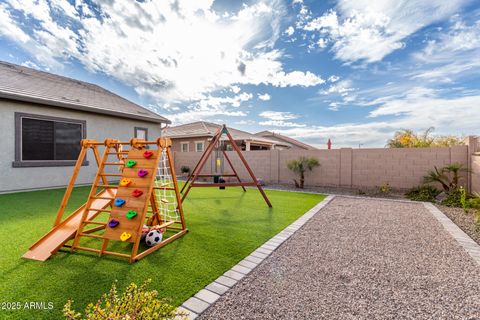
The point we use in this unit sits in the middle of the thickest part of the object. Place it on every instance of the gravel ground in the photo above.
(372, 192)
(464, 220)
(360, 259)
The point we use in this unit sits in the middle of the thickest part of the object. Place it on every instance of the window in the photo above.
(141, 133)
(47, 141)
(199, 146)
(184, 146)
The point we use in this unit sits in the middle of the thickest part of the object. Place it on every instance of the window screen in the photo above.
(50, 140)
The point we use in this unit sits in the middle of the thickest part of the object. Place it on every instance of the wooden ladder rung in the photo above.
(100, 210)
(107, 186)
(164, 188)
(164, 225)
(112, 175)
(96, 222)
(119, 152)
(104, 198)
(114, 163)
(104, 252)
(92, 235)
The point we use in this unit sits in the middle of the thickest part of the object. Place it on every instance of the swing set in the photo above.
(218, 145)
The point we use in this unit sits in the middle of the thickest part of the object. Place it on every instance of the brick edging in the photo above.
(464, 240)
(204, 298)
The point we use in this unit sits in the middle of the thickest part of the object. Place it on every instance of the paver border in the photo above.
(463, 239)
(204, 298)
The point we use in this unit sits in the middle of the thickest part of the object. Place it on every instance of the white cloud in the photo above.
(341, 88)
(333, 78)
(367, 31)
(418, 109)
(453, 53)
(278, 115)
(172, 53)
(279, 123)
(264, 97)
(290, 31)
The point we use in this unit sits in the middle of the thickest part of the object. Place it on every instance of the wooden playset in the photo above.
(218, 145)
(146, 198)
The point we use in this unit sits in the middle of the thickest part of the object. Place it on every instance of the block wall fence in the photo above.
(351, 168)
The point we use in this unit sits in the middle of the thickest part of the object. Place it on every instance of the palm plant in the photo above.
(448, 176)
(300, 166)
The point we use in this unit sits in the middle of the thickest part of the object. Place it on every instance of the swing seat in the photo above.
(125, 236)
(131, 214)
(119, 202)
(137, 193)
(125, 182)
(113, 223)
(131, 163)
(142, 173)
(147, 154)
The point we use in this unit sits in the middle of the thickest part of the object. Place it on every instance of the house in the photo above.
(44, 116)
(195, 136)
(294, 144)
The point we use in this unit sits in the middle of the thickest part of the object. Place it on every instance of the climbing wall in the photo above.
(128, 213)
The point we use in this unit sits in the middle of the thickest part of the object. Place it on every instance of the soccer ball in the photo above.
(153, 238)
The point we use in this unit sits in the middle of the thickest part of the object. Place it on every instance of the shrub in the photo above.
(135, 303)
(385, 188)
(423, 193)
(300, 166)
(454, 198)
(185, 169)
(448, 176)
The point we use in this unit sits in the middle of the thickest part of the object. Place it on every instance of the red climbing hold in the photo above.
(137, 193)
(148, 154)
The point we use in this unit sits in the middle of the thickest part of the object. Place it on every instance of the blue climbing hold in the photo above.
(119, 202)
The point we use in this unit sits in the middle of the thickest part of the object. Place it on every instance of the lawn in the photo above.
(225, 226)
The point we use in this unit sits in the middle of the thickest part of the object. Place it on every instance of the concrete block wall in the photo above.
(474, 153)
(358, 168)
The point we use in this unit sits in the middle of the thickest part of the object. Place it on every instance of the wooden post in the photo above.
(248, 168)
(71, 184)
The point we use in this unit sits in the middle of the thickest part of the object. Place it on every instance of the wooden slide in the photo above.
(51, 242)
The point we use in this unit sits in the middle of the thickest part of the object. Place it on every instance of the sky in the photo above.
(353, 71)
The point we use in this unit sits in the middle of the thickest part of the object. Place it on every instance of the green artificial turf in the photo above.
(225, 226)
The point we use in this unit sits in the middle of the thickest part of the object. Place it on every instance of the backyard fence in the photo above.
(351, 168)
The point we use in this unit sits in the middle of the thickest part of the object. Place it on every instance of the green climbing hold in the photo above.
(131, 214)
(131, 163)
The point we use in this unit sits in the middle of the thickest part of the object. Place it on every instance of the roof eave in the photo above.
(56, 103)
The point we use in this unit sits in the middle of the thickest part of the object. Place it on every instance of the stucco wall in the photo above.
(99, 127)
(368, 168)
(177, 143)
(474, 150)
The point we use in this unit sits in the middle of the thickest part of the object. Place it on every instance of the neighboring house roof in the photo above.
(30, 85)
(281, 138)
(208, 129)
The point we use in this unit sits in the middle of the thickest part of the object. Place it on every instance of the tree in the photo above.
(407, 138)
(300, 166)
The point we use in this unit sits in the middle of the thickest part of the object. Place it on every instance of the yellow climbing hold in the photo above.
(125, 236)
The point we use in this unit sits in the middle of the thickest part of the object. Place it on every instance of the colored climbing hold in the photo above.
(113, 223)
(131, 213)
(148, 154)
(131, 163)
(125, 236)
(119, 202)
(125, 182)
(137, 193)
(142, 173)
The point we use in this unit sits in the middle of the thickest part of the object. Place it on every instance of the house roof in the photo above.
(281, 138)
(208, 129)
(30, 85)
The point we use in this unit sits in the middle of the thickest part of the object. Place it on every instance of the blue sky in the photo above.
(354, 71)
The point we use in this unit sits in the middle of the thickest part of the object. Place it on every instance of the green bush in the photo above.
(135, 303)
(185, 169)
(423, 193)
(454, 198)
